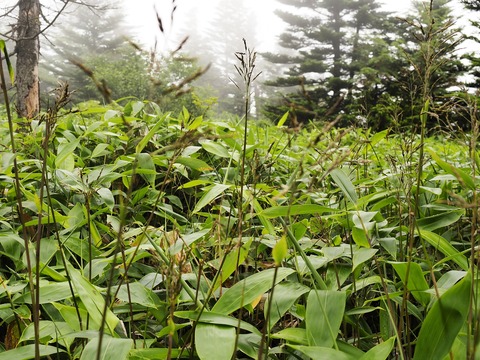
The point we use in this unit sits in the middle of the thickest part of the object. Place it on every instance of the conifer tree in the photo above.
(474, 58)
(326, 46)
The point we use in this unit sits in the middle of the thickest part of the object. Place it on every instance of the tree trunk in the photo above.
(28, 51)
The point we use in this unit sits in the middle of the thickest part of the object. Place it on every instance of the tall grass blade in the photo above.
(11, 73)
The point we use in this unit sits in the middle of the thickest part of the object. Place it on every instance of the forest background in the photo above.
(194, 198)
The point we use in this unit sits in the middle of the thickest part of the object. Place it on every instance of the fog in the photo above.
(142, 18)
(144, 26)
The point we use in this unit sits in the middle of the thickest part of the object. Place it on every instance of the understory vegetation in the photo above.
(128, 232)
(141, 229)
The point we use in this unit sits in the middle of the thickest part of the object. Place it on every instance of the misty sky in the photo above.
(142, 16)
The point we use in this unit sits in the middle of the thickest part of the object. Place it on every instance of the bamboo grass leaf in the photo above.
(284, 296)
(282, 211)
(323, 353)
(344, 183)
(145, 162)
(246, 291)
(194, 164)
(280, 250)
(442, 245)
(439, 221)
(208, 317)
(444, 321)
(462, 176)
(141, 145)
(214, 342)
(324, 315)
(27, 352)
(211, 194)
(216, 149)
(380, 351)
(415, 282)
(112, 349)
(92, 299)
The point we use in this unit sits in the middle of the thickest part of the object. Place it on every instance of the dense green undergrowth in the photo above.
(149, 237)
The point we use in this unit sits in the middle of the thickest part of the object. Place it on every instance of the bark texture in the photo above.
(28, 52)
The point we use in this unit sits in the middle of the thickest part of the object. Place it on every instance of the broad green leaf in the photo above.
(27, 352)
(76, 216)
(157, 354)
(139, 294)
(70, 315)
(361, 255)
(146, 167)
(187, 240)
(363, 219)
(100, 150)
(92, 299)
(322, 353)
(249, 344)
(111, 114)
(344, 183)
(194, 164)
(211, 193)
(282, 299)
(415, 282)
(450, 278)
(246, 291)
(308, 209)
(47, 329)
(442, 245)
(214, 342)
(231, 262)
(461, 176)
(439, 221)
(141, 145)
(380, 351)
(292, 335)
(107, 197)
(216, 149)
(444, 321)
(194, 183)
(208, 317)
(48, 293)
(111, 349)
(360, 237)
(378, 137)
(280, 250)
(65, 159)
(324, 316)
